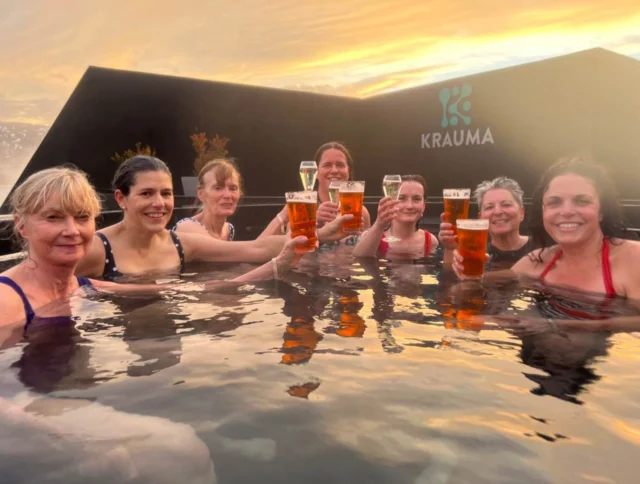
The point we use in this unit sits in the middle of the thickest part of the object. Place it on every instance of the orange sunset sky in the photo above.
(349, 47)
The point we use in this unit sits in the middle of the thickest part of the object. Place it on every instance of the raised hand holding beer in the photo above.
(302, 207)
(327, 212)
(447, 237)
(387, 210)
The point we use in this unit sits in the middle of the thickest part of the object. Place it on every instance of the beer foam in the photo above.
(476, 224)
(456, 193)
(352, 187)
(301, 197)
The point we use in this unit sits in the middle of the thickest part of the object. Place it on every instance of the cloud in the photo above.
(352, 47)
(31, 111)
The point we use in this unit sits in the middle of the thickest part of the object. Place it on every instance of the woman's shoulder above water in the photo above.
(190, 224)
(625, 267)
(533, 263)
(13, 310)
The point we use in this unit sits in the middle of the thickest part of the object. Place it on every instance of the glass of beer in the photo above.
(308, 174)
(302, 207)
(472, 245)
(351, 202)
(334, 190)
(456, 204)
(391, 186)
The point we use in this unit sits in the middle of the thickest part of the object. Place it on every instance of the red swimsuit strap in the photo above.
(383, 246)
(550, 265)
(606, 268)
(427, 243)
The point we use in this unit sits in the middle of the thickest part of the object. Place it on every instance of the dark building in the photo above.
(514, 122)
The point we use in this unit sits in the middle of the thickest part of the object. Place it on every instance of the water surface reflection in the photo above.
(373, 372)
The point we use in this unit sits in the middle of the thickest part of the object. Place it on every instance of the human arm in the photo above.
(328, 211)
(206, 248)
(278, 266)
(524, 326)
(277, 226)
(366, 218)
(368, 244)
(448, 239)
(188, 226)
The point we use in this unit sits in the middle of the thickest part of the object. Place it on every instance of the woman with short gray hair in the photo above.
(500, 201)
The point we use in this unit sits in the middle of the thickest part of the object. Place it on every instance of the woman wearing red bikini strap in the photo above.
(400, 218)
(577, 222)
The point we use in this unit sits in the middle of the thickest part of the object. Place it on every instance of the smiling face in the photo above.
(502, 210)
(56, 236)
(571, 210)
(220, 198)
(412, 202)
(149, 204)
(332, 167)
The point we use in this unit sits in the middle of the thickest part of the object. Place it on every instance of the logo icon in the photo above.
(451, 98)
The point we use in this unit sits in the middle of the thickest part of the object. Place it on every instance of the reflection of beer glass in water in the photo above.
(300, 341)
(302, 207)
(308, 174)
(351, 324)
(470, 303)
(472, 245)
(334, 191)
(351, 202)
(456, 204)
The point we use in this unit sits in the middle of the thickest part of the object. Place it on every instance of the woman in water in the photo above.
(140, 243)
(499, 201)
(334, 165)
(399, 218)
(577, 223)
(219, 189)
(54, 217)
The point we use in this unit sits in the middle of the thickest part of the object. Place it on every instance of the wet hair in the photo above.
(334, 145)
(223, 169)
(125, 176)
(77, 195)
(611, 224)
(418, 179)
(501, 182)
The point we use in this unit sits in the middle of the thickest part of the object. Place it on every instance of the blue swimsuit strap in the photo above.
(30, 314)
(178, 244)
(28, 310)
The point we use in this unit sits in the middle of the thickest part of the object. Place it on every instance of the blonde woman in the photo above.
(54, 214)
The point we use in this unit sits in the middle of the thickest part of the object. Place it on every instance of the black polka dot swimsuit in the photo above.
(111, 269)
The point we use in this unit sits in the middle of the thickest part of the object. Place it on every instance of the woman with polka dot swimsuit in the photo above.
(141, 243)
